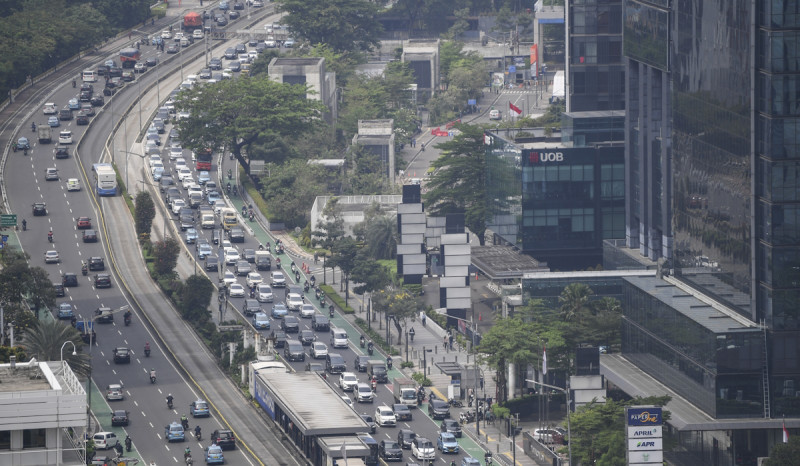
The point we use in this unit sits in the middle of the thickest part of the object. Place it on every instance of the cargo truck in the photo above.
(192, 21)
(44, 134)
(405, 392)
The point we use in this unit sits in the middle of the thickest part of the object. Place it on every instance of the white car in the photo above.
(73, 184)
(319, 350)
(194, 189)
(178, 36)
(229, 277)
(50, 108)
(177, 204)
(293, 301)
(307, 311)
(197, 34)
(348, 381)
(65, 137)
(254, 279)
(494, 114)
(231, 256)
(180, 164)
(155, 158)
(384, 416)
(51, 257)
(184, 173)
(235, 290)
(188, 181)
(166, 35)
(264, 294)
(422, 449)
(157, 166)
(176, 152)
(347, 400)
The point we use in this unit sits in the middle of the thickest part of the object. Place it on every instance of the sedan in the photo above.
(191, 235)
(306, 337)
(65, 137)
(51, 257)
(452, 426)
(254, 279)
(172, 49)
(347, 381)
(53, 122)
(83, 223)
(438, 409)
(422, 449)
(114, 392)
(236, 290)
(360, 363)
(199, 408)
(279, 311)
(139, 67)
(261, 321)
(214, 455)
(446, 443)
(62, 152)
(74, 104)
(102, 280)
(289, 324)
(264, 293)
(402, 412)
(390, 450)
(65, 311)
(384, 416)
(89, 236)
(307, 311)
(204, 250)
(119, 418)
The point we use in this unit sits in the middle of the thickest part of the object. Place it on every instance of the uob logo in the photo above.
(543, 157)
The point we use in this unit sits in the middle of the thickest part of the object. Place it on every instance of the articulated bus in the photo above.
(203, 160)
(105, 179)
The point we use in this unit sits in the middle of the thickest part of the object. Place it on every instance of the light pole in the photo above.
(58, 421)
(158, 77)
(74, 351)
(569, 408)
(127, 153)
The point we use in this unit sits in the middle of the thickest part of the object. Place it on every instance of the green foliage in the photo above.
(366, 174)
(377, 339)
(196, 298)
(6, 353)
(459, 182)
(45, 340)
(166, 254)
(381, 237)
(509, 340)
(144, 214)
(343, 25)
(598, 430)
(291, 188)
(421, 379)
(331, 225)
(785, 454)
(406, 365)
(19, 281)
(551, 118)
(369, 275)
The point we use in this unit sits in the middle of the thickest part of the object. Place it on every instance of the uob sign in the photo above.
(542, 157)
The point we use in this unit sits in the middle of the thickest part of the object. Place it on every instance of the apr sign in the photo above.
(647, 416)
(646, 444)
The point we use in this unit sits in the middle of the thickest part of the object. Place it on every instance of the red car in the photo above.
(84, 223)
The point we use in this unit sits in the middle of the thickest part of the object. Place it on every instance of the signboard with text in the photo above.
(644, 431)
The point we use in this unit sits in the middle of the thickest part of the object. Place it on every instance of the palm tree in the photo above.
(45, 340)
(381, 237)
(574, 300)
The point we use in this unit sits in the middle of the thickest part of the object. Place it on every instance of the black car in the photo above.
(212, 263)
(233, 15)
(360, 363)
(215, 64)
(370, 422)
(96, 263)
(115, 72)
(279, 338)
(81, 119)
(69, 279)
(452, 426)
(238, 6)
(97, 100)
(102, 280)
(249, 255)
(321, 323)
(290, 324)
(119, 418)
(122, 355)
(402, 412)
(60, 293)
(39, 209)
(438, 409)
(109, 91)
(405, 437)
(89, 236)
(224, 439)
(240, 48)
(390, 450)
(235, 66)
(86, 87)
(152, 61)
(251, 306)
(221, 21)
(334, 363)
(306, 337)
(62, 152)
(293, 351)
(236, 235)
(104, 315)
(85, 96)
(165, 182)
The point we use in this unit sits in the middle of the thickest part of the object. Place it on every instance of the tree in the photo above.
(291, 188)
(368, 274)
(785, 454)
(381, 237)
(196, 297)
(598, 430)
(574, 301)
(237, 113)
(331, 226)
(343, 255)
(458, 184)
(45, 340)
(509, 340)
(166, 254)
(145, 213)
(343, 25)
(401, 305)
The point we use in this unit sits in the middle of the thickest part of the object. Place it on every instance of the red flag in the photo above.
(515, 108)
(785, 433)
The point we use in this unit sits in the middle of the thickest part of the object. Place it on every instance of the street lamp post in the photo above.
(474, 326)
(74, 351)
(58, 420)
(569, 409)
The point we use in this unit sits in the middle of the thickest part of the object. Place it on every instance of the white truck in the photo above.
(263, 260)
(405, 392)
(44, 134)
(208, 221)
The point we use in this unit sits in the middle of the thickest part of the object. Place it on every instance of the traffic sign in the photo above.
(8, 220)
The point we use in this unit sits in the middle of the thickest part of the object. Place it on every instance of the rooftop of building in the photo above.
(22, 377)
(504, 262)
(310, 61)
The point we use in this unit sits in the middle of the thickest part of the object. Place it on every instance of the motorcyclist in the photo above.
(197, 432)
(169, 400)
(147, 348)
(24, 224)
(50, 236)
(389, 362)
(187, 453)
(33, 126)
(84, 268)
(362, 340)
(127, 315)
(128, 443)
(152, 375)
(374, 383)
(228, 187)
(74, 84)
(185, 422)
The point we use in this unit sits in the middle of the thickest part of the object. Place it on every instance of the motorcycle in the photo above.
(389, 363)
(169, 403)
(33, 126)
(330, 312)
(152, 379)
(455, 403)
(84, 270)
(313, 280)
(127, 320)
(228, 188)
(467, 417)
(297, 276)
(251, 217)
(316, 293)
(197, 434)
(252, 293)
(292, 266)
(305, 287)
(370, 348)
(128, 443)
(147, 352)
(50, 237)
(24, 225)
(363, 341)
(230, 174)
(185, 423)
(235, 192)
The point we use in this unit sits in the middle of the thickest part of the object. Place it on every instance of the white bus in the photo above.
(105, 179)
(89, 76)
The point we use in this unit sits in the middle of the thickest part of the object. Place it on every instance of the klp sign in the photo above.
(544, 157)
(648, 444)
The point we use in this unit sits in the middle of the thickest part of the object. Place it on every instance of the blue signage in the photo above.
(512, 69)
(472, 102)
(649, 416)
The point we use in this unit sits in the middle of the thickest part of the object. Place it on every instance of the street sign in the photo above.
(8, 220)
(512, 69)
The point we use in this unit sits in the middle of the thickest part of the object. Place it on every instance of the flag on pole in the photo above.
(514, 108)
(544, 361)
(785, 433)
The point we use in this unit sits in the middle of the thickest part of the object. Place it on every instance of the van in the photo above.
(207, 221)
(377, 369)
(89, 76)
(245, 69)
(338, 338)
(104, 440)
(216, 235)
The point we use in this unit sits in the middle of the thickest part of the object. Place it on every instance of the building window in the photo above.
(5, 440)
(34, 438)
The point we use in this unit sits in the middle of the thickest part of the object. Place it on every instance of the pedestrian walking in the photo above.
(445, 343)
(413, 142)
(451, 339)
(129, 35)
(422, 317)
